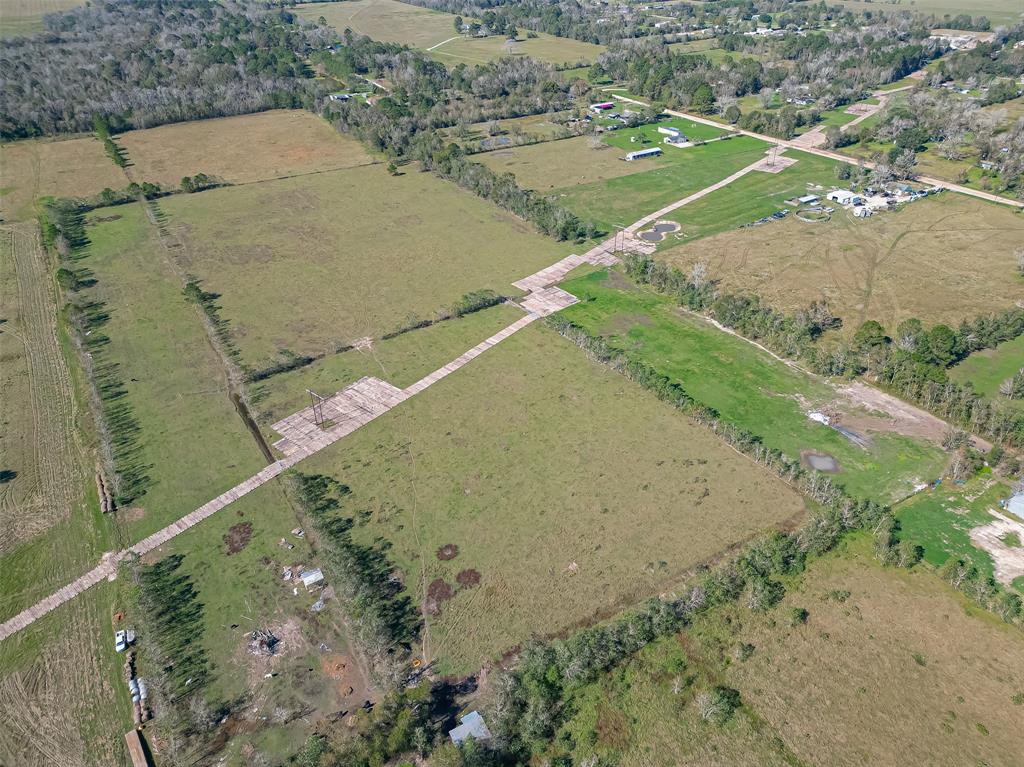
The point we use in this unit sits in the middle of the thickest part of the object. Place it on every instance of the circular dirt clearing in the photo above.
(657, 232)
(468, 578)
(448, 551)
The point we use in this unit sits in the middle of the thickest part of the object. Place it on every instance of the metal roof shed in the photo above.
(472, 727)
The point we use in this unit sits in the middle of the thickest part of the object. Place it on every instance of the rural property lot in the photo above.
(276, 144)
(393, 22)
(764, 395)
(889, 267)
(902, 657)
(38, 167)
(569, 490)
(986, 370)
(313, 263)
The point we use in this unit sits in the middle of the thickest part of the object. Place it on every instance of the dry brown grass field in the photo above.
(68, 168)
(395, 22)
(25, 17)
(41, 454)
(571, 492)
(241, 149)
(939, 259)
(311, 263)
(902, 671)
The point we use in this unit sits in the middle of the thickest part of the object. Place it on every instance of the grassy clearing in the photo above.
(997, 11)
(752, 197)
(541, 127)
(570, 492)
(394, 22)
(863, 267)
(987, 369)
(63, 168)
(902, 670)
(401, 361)
(764, 395)
(241, 149)
(624, 200)
(313, 263)
(940, 520)
(194, 445)
(25, 17)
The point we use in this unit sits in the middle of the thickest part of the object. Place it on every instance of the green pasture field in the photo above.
(33, 168)
(940, 520)
(764, 395)
(400, 361)
(863, 267)
(314, 263)
(875, 676)
(752, 197)
(569, 490)
(708, 49)
(25, 17)
(676, 174)
(196, 446)
(987, 369)
(999, 12)
(190, 436)
(394, 22)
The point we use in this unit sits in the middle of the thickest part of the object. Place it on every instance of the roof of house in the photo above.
(1016, 505)
(645, 152)
(309, 577)
(472, 727)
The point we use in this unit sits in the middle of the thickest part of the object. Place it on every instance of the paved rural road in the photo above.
(832, 155)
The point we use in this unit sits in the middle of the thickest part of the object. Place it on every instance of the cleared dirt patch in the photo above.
(468, 578)
(447, 552)
(237, 537)
(438, 592)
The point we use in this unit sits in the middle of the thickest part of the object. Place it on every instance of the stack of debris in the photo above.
(139, 691)
(262, 642)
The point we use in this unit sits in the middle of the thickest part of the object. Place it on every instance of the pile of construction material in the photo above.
(262, 642)
(139, 690)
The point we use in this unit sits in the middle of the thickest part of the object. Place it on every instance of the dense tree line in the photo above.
(169, 617)
(913, 362)
(383, 619)
(140, 63)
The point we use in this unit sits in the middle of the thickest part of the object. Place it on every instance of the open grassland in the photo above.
(394, 22)
(623, 200)
(401, 361)
(283, 142)
(557, 164)
(541, 127)
(764, 395)
(889, 267)
(941, 519)
(62, 689)
(997, 11)
(987, 369)
(64, 168)
(313, 263)
(890, 668)
(752, 197)
(567, 489)
(190, 441)
(643, 714)
(25, 17)
(900, 671)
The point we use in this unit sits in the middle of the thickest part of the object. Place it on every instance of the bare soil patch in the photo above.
(438, 592)
(237, 537)
(468, 578)
(447, 552)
